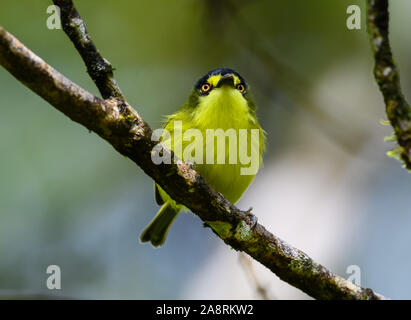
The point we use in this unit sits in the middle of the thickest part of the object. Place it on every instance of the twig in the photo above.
(99, 69)
(387, 76)
(249, 270)
(119, 124)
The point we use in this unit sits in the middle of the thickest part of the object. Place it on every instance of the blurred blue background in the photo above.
(327, 187)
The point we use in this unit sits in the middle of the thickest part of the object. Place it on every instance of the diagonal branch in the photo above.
(99, 69)
(387, 76)
(118, 123)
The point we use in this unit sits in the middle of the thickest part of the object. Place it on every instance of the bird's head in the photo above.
(222, 88)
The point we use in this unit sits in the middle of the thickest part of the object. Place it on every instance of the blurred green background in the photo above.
(67, 198)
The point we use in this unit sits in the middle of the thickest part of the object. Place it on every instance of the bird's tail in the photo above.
(156, 231)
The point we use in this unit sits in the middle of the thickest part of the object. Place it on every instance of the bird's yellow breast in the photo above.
(223, 108)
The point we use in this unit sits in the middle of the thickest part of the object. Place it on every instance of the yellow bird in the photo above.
(219, 109)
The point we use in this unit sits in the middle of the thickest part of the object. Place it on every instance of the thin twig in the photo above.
(387, 76)
(119, 124)
(99, 69)
(247, 265)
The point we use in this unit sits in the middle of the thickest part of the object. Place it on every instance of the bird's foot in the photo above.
(253, 218)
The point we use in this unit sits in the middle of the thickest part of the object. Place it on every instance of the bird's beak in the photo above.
(227, 79)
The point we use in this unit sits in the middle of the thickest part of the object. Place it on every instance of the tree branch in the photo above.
(118, 123)
(387, 76)
(99, 69)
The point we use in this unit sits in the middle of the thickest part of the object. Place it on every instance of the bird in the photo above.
(220, 100)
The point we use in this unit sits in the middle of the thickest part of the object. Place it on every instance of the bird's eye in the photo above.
(205, 87)
(241, 88)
